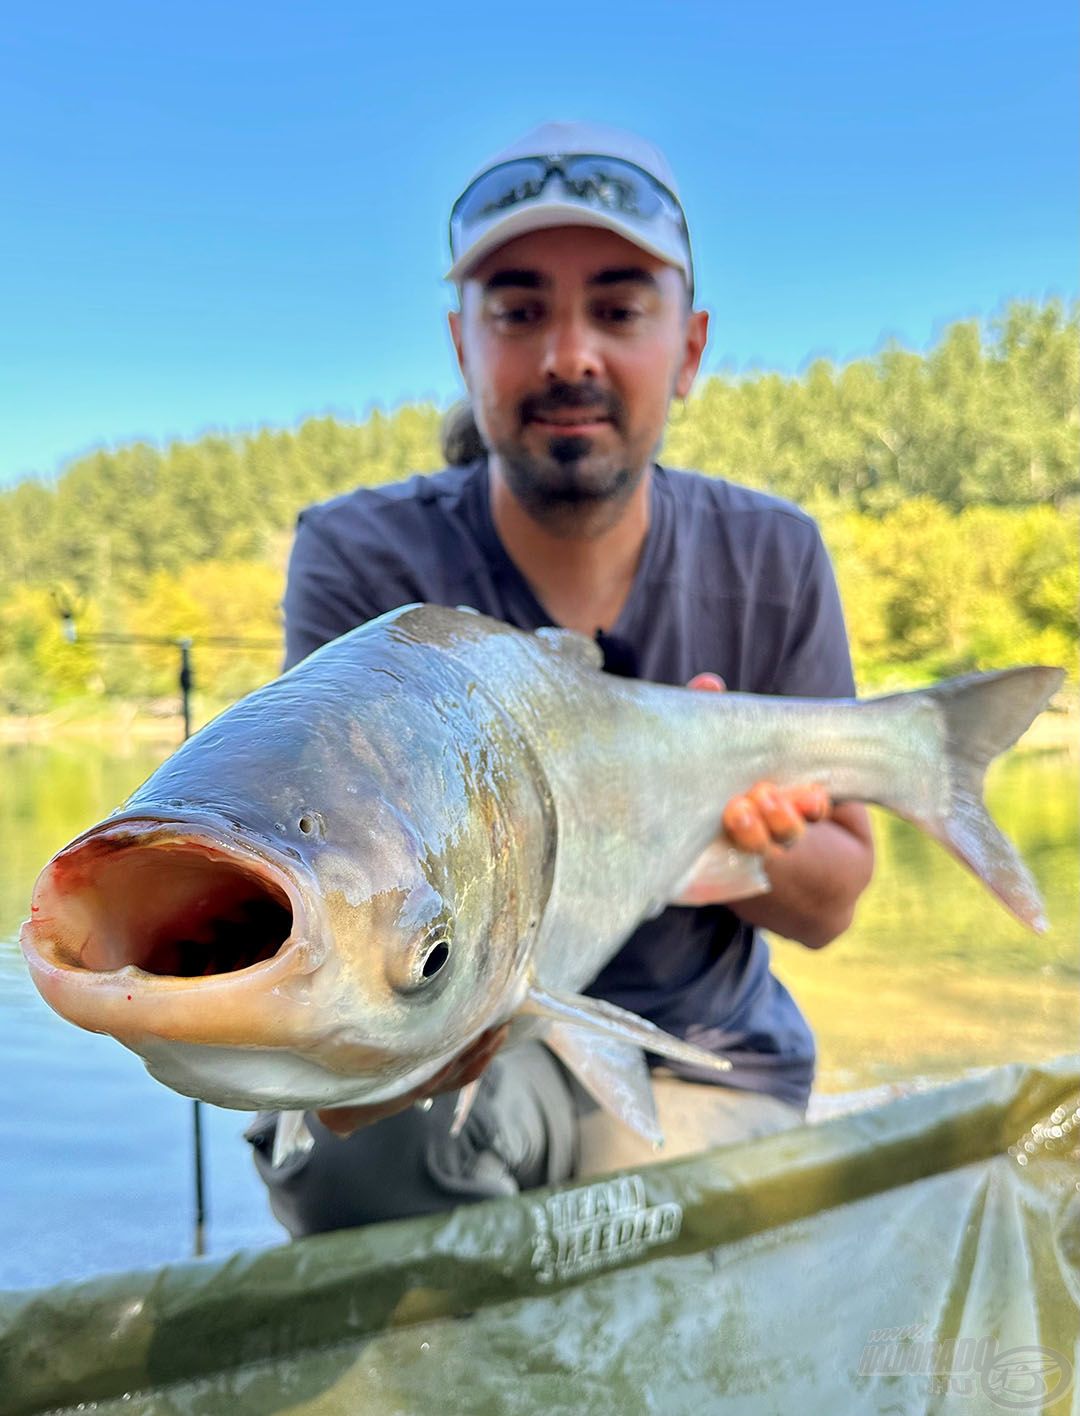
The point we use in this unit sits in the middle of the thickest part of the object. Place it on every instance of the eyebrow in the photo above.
(527, 279)
(625, 275)
(533, 280)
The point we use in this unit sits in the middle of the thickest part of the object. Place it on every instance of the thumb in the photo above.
(711, 683)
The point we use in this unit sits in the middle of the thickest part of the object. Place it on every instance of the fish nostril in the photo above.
(310, 823)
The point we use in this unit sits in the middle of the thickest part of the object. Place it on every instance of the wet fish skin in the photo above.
(402, 774)
(439, 791)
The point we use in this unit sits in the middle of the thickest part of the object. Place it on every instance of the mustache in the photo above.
(564, 397)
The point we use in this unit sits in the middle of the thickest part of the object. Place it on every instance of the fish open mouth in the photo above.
(175, 905)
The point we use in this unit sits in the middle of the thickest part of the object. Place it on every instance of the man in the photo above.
(576, 328)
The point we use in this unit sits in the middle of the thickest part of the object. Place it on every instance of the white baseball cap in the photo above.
(571, 174)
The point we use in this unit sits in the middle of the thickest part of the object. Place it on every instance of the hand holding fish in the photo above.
(767, 818)
(463, 1070)
(812, 891)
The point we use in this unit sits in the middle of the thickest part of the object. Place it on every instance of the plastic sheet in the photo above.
(920, 1257)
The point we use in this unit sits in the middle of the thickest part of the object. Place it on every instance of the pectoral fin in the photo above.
(463, 1106)
(596, 1016)
(612, 1072)
(721, 873)
(291, 1137)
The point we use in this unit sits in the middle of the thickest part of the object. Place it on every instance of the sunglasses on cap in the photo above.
(609, 184)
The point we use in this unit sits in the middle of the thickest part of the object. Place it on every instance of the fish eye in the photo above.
(428, 961)
(435, 957)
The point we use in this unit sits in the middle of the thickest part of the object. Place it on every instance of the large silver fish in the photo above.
(438, 823)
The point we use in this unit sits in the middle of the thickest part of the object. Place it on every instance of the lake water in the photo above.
(934, 980)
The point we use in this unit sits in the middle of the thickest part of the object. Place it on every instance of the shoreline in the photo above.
(159, 724)
(127, 722)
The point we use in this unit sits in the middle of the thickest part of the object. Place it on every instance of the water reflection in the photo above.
(934, 978)
(91, 1129)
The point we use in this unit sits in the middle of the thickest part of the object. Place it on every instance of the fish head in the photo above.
(300, 912)
(429, 933)
(175, 932)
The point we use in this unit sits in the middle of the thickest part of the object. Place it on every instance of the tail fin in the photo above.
(982, 715)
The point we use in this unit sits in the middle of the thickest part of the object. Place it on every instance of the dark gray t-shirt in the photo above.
(730, 581)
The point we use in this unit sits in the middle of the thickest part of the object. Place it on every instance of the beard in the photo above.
(568, 482)
(570, 474)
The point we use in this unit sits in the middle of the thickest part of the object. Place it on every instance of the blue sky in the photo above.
(222, 216)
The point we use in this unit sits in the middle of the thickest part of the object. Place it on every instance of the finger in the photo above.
(475, 1069)
(811, 802)
(344, 1120)
(469, 1065)
(711, 683)
(475, 1062)
(484, 1048)
(782, 820)
(745, 827)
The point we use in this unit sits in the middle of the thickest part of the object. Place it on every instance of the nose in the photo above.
(570, 352)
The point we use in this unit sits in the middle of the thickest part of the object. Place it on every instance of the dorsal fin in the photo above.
(576, 648)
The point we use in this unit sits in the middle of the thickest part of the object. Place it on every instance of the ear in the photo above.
(697, 333)
(454, 320)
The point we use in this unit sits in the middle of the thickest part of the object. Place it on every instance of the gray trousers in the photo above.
(521, 1132)
(531, 1124)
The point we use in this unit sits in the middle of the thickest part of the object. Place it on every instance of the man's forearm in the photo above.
(816, 883)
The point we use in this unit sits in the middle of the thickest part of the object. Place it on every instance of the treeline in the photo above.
(946, 485)
(988, 416)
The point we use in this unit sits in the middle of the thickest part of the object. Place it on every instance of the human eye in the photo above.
(517, 314)
(620, 313)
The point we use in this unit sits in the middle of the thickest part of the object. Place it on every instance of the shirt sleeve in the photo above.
(815, 661)
(323, 598)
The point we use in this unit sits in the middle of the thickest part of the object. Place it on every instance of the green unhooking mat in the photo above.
(923, 1257)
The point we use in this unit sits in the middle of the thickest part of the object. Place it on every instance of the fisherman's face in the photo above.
(572, 343)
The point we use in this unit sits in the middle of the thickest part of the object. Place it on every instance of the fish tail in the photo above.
(978, 717)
